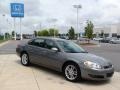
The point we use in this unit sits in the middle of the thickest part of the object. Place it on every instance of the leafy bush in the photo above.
(1, 37)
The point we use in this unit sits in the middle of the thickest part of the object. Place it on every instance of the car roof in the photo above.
(50, 38)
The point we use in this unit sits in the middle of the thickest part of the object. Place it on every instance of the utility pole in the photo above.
(20, 29)
(4, 33)
(54, 20)
(15, 28)
(40, 26)
(77, 7)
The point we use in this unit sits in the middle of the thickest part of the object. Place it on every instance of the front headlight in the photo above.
(92, 65)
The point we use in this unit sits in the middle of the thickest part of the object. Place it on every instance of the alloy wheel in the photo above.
(24, 59)
(71, 72)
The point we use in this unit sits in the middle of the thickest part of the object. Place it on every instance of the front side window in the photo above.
(70, 47)
(49, 44)
(37, 42)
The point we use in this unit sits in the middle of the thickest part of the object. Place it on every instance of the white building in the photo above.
(109, 31)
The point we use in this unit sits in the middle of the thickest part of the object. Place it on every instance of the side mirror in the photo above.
(54, 49)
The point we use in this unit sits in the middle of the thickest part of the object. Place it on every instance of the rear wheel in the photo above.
(72, 72)
(25, 59)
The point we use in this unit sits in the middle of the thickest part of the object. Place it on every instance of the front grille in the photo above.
(109, 74)
(109, 66)
(96, 76)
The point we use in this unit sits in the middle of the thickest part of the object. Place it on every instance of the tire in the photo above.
(73, 75)
(25, 59)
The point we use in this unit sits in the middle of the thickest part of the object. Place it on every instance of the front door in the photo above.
(36, 51)
(53, 59)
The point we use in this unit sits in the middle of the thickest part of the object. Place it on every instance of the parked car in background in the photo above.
(83, 39)
(64, 37)
(115, 41)
(65, 56)
(105, 40)
(17, 38)
(97, 39)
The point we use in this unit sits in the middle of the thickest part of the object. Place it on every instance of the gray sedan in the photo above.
(66, 57)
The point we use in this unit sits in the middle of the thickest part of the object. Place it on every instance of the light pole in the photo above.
(36, 27)
(20, 29)
(54, 20)
(4, 18)
(77, 7)
(40, 26)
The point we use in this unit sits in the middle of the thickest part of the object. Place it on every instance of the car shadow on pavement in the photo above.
(94, 82)
(59, 75)
(43, 69)
(47, 70)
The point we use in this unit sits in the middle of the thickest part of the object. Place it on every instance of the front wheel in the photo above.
(72, 72)
(25, 59)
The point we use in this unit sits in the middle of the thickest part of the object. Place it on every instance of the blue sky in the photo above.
(60, 14)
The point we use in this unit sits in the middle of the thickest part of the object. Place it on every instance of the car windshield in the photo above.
(70, 47)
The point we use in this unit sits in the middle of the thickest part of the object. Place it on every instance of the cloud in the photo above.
(100, 12)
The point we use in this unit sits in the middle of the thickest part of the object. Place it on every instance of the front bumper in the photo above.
(91, 74)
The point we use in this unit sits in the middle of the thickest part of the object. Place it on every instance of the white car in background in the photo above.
(115, 41)
(17, 38)
(97, 39)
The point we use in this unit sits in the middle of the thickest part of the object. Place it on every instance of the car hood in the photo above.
(81, 57)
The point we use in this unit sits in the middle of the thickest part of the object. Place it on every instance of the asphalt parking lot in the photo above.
(10, 46)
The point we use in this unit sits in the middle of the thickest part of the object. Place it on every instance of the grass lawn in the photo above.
(1, 41)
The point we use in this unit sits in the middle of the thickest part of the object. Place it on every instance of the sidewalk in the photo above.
(14, 76)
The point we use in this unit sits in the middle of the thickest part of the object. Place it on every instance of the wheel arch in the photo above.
(23, 52)
(67, 62)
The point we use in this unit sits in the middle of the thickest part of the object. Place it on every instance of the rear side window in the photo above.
(30, 42)
(37, 42)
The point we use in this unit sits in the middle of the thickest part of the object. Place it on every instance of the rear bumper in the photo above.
(18, 52)
(97, 74)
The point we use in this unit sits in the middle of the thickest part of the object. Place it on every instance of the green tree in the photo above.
(35, 33)
(53, 31)
(71, 33)
(13, 33)
(43, 33)
(56, 32)
(89, 30)
(102, 33)
(1, 37)
(7, 35)
(39, 33)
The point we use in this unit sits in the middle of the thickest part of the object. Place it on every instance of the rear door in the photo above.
(35, 50)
